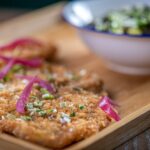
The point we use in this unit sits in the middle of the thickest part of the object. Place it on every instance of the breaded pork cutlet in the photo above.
(53, 119)
(69, 115)
(29, 48)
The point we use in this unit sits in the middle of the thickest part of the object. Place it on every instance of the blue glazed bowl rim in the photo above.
(92, 29)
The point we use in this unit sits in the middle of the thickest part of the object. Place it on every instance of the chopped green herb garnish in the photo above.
(134, 20)
(51, 110)
(17, 68)
(37, 110)
(6, 78)
(42, 113)
(33, 97)
(63, 104)
(81, 107)
(29, 105)
(38, 103)
(73, 114)
(43, 91)
(33, 110)
(26, 118)
(47, 96)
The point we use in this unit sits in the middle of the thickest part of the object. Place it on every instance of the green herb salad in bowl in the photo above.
(134, 20)
(117, 31)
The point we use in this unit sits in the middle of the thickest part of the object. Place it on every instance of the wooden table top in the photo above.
(139, 142)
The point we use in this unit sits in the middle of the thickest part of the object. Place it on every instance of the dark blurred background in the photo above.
(26, 4)
(14, 8)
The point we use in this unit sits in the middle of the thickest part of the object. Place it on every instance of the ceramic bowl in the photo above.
(123, 53)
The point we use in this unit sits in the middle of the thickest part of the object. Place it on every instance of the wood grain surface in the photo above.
(139, 142)
(130, 92)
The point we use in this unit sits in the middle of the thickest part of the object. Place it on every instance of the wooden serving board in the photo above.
(132, 93)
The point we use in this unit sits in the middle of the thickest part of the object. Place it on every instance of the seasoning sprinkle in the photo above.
(65, 118)
(47, 96)
(63, 104)
(52, 110)
(33, 97)
(10, 116)
(6, 78)
(73, 114)
(38, 103)
(17, 68)
(75, 77)
(81, 107)
(42, 113)
(43, 91)
(29, 105)
(37, 110)
(26, 118)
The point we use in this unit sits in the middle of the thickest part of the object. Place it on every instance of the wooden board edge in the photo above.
(117, 133)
